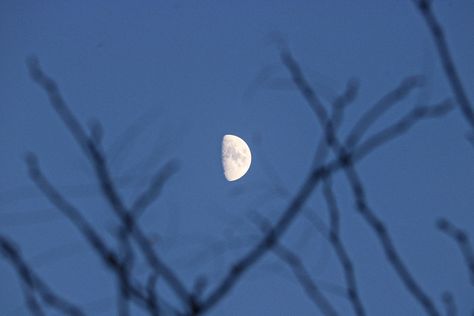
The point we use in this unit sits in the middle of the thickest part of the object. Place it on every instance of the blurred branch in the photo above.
(449, 304)
(109, 257)
(462, 239)
(31, 302)
(68, 210)
(154, 189)
(123, 299)
(314, 177)
(356, 185)
(436, 30)
(107, 185)
(337, 114)
(378, 109)
(299, 270)
(34, 284)
(150, 288)
(343, 100)
(403, 125)
(339, 248)
(304, 277)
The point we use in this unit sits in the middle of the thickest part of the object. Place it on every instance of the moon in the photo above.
(236, 157)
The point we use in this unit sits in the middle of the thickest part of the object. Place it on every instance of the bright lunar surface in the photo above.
(236, 157)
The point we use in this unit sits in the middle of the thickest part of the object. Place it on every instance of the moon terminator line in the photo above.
(236, 157)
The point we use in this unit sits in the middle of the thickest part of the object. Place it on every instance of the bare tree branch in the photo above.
(150, 288)
(437, 32)
(35, 283)
(105, 180)
(304, 277)
(403, 125)
(378, 109)
(299, 270)
(31, 302)
(109, 257)
(314, 177)
(462, 239)
(266, 243)
(339, 248)
(154, 189)
(449, 304)
(345, 159)
(337, 114)
(356, 185)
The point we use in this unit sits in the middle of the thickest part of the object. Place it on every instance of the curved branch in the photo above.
(462, 239)
(34, 283)
(436, 30)
(358, 190)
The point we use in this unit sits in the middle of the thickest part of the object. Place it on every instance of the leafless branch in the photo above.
(35, 284)
(109, 257)
(436, 30)
(107, 185)
(150, 288)
(346, 158)
(356, 185)
(299, 270)
(380, 107)
(31, 302)
(154, 189)
(343, 100)
(304, 277)
(337, 114)
(462, 239)
(403, 125)
(314, 177)
(339, 248)
(449, 304)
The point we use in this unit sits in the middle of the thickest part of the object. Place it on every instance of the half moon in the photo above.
(236, 157)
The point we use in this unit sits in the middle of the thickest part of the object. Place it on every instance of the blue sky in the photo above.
(167, 79)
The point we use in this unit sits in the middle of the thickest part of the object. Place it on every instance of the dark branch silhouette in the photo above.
(134, 244)
(378, 109)
(403, 125)
(154, 189)
(285, 220)
(109, 257)
(462, 239)
(33, 305)
(339, 248)
(463, 102)
(105, 180)
(337, 115)
(449, 304)
(299, 270)
(35, 284)
(356, 185)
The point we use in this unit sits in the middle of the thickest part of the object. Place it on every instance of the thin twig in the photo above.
(462, 239)
(154, 189)
(34, 282)
(299, 270)
(356, 185)
(109, 257)
(436, 30)
(107, 185)
(380, 107)
(243, 264)
(338, 107)
(449, 304)
(31, 302)
(403, 125)
(339, 248)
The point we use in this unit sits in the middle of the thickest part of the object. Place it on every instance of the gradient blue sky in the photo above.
(175, 76)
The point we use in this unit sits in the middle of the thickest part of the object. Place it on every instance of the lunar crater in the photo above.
(236, 157)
